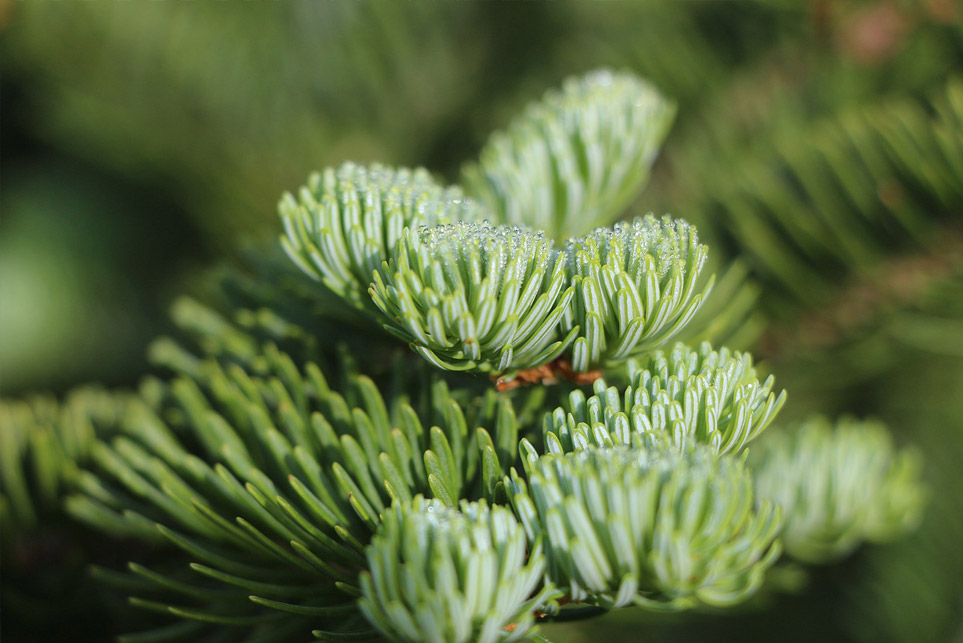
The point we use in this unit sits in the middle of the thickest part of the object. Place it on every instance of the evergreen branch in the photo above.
(654, 528)
(471, 296)
(453, 576)
(294, 486)
(272, 481)
(42, 444)
(635, 287)
(577, 158)
(838, 485)
(345, 222)
(871, 180)
(679, 399)
(499, 299)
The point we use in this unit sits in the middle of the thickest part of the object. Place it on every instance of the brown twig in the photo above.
(546, 374)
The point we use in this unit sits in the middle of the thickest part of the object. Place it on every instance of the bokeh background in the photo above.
(819, 143)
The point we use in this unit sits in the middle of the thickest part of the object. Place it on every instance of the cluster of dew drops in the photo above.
(495, 245)
(625, 245)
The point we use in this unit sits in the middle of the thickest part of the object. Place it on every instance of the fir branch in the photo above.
(471, 296)
(294, 485)
(272, 481)
(635, 287)
(654, 528)
(577, 158)
(345, 222)
(871, 180)
(500, 299)
(453, 576)
(42, 444)
(839, 485)
(679, 398)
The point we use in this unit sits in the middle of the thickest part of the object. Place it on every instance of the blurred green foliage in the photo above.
(820, 142)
